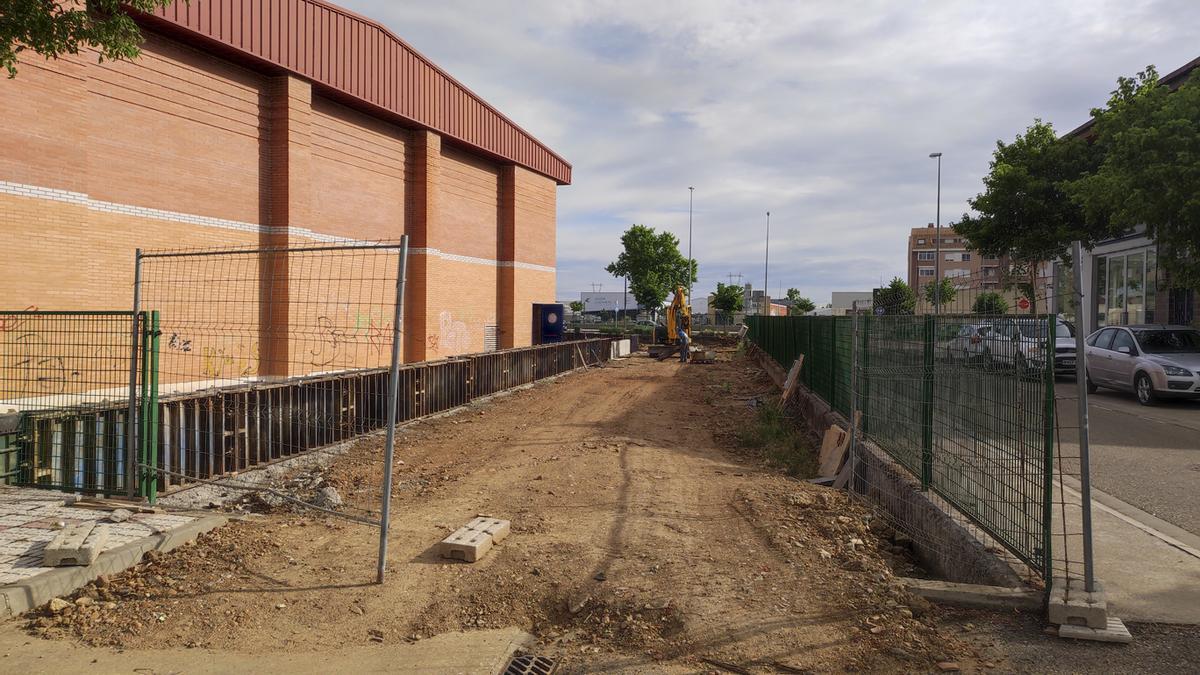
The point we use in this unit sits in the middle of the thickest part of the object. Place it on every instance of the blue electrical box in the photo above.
(547, 322)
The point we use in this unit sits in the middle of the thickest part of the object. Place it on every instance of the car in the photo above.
(1153, 361)
(1021, 343)
(967, 345)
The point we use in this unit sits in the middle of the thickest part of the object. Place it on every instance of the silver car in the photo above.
(1152, 361)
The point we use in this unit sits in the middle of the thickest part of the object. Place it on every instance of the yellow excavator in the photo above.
(679, 315)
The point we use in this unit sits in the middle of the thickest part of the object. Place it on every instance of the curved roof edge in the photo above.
(360, 59)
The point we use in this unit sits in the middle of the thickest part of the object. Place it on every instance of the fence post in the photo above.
(831, 394)
(148, 454)
(393, 396)
(866, 377)
(1048, 457)
(927, 405)
(131, 434)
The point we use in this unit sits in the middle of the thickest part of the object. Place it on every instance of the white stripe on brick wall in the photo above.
(81, 199)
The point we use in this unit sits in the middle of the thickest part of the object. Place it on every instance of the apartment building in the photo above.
(968, 269)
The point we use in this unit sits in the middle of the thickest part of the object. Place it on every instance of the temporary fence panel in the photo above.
(79, 383)
(977, 431)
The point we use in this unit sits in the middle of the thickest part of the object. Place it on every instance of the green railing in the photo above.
(972, 421)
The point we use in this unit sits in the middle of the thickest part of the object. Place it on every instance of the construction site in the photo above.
(285, 387)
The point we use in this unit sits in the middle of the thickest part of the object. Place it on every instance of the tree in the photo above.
(576, 306)
(948, 292)
(989, 303)
(52, 28)
(728, 299)
(800, 304)
(896, 298)
(653, 263)
(1150, 174)
(1025, 212)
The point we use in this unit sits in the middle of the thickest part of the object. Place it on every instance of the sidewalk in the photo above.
(1150, 569)
(30, 518)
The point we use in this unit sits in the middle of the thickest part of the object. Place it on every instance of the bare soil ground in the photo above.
(643, 539)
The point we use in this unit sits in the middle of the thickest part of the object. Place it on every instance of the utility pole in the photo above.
(739, 278)
(691, 265)
(766, 310)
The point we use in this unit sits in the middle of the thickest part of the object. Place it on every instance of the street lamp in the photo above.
(937, 235)
(691, 265)
(766, 266)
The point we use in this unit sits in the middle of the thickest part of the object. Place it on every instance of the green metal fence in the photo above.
(970, 417)
(70, 376)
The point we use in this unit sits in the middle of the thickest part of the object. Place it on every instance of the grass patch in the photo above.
(777, 438)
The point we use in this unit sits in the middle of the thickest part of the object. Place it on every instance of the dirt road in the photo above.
(643, 539)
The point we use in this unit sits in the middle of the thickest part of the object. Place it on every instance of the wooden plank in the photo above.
(833, 450)
(791, 381)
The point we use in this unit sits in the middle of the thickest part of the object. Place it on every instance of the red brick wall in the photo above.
(358, 167)
(185, 132)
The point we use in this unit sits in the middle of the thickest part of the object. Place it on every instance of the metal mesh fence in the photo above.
(268, 352)
(978, 432)
(52, 360)
(68, 376)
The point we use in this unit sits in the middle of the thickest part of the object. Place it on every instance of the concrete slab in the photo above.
(975, 595)
(1113, 631)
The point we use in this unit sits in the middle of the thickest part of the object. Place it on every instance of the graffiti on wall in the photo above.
(452, 337)
(34, 362)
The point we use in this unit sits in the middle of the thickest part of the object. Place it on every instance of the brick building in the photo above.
(966, 268)
(276, 123)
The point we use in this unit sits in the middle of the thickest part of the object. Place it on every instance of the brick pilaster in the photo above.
(424, 171)
(286, 194)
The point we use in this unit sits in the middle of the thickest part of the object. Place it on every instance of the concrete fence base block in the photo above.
(1071, 605)
(473, 540)
(77, 544)
(975, 595)
(1114, 631)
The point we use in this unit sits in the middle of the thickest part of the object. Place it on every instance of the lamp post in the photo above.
(766, 310)
(937, 235)
(691, 265)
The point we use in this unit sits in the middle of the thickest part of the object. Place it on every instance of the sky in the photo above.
(823, 113)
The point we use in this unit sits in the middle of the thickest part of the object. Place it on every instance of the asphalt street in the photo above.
(1148, 456)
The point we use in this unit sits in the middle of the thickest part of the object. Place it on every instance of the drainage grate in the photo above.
(530, 665)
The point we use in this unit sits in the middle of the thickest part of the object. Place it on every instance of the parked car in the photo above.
(1152, 361)
(967, 345)
(1021, 343)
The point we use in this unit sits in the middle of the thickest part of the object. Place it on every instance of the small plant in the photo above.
(774, 435)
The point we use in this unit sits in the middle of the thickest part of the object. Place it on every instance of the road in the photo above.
(1146, 456)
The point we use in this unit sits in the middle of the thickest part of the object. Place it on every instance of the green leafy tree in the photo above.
(948, 292)
(896, 298)
(576, 306)
(989, 303)
(1150, 174)
(728, 299)
(653, 263)
(52, 29)
(1025, 212)
(800, 304)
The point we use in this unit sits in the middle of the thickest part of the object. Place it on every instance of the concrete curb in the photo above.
(975, 595)
(18, 598)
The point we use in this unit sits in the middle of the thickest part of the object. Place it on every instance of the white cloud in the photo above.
(822, 112)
